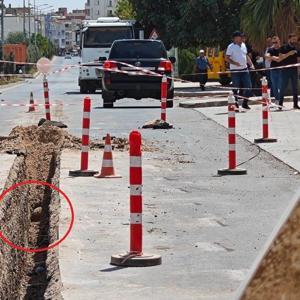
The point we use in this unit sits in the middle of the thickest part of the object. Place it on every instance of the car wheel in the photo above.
(224, 80)
(170, 103)
(108, 99)
(83, 89)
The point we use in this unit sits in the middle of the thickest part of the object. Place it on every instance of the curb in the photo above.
(200, 94)
(219, 103)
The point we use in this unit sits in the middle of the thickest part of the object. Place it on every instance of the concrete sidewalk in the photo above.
(192, 89)
(208, 229)
(284, 125)
(6, 162)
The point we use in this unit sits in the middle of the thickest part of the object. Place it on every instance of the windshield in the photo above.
(104, 36)
(146, 50)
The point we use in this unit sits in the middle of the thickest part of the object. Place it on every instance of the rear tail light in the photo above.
(110, 65)
(165, 66)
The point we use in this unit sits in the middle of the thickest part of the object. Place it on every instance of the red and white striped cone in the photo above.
(46, 96)
(164, 96)
(265, 115)
(84, 172)
(136, 257)
(31, 103)
(107, 170)
(232, 168)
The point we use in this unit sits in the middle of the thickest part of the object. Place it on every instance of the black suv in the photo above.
(128, 56)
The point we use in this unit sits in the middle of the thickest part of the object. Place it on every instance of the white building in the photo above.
(16, 24)
(100, 8)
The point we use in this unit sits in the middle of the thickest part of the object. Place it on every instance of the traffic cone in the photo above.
(31, 103)
(107, 170)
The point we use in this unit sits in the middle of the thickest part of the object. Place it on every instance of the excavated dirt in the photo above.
(29, 215)
(278, 274)
(12, 142)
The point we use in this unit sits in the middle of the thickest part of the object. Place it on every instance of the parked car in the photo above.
(147, 54)
(68, 55)
(74, 53)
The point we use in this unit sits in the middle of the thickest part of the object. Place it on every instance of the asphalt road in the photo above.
(208, 229)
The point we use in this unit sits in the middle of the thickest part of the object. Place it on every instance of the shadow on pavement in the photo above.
(128, 107)
(112, 269)
(78, 93)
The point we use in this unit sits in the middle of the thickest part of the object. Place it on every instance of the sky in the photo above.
(71, 4)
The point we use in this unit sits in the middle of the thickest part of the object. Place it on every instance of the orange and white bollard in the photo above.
(164, 96)
(107, 170)
(136, 257)
(31, 103)
(265, 115)
(84, 164)
(46, 96)
(232, 164)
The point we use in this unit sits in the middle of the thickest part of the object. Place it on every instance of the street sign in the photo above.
(44, 65)
(153, 35)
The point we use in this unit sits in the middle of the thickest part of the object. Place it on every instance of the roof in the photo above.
(140, 41)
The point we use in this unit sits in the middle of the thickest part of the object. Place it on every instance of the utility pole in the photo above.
(24, 20)
(2, 21)
(29, 27)
(2, 28)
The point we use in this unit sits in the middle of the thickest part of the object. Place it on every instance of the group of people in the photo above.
(279, 62)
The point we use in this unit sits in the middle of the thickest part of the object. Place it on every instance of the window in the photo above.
(109, 13)
(130, 49)
(97, 37)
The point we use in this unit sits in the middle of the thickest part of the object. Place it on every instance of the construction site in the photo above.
(120, 203)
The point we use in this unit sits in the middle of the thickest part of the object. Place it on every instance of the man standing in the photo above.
(274, 57)
(202, 65)
(237, 57)
(269, 45)
(290, 74)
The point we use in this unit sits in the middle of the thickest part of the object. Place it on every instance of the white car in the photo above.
(68, 55)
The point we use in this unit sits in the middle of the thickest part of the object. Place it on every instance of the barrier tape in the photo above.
(143, 71)
(32, 105)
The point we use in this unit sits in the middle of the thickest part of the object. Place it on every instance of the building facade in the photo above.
(100, 8)
(14, 23)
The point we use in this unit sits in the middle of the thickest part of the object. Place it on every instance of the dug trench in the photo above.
(29, 215)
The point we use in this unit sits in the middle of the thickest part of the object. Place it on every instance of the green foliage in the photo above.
(43, 45)
(186, 59)
(190, 23)
(124, 10)
(16, 38)
(270, 17)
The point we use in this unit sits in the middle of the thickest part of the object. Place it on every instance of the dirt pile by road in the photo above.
(29, 215)
(12, 143)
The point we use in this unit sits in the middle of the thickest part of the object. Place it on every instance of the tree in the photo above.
(269, 17)
(124, 10)
(16, 38)
(190, 23)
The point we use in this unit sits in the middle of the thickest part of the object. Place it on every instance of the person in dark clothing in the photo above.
(202, 65)
(290, 74)
(275, 58)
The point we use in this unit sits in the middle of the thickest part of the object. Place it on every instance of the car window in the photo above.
(138, 50)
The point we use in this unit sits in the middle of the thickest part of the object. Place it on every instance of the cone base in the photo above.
(145, 260)
(107, 176)
(80, 173)
(232, 172)
(265, 140)
(163, 125)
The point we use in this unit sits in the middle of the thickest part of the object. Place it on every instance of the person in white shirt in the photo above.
(237, 57)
